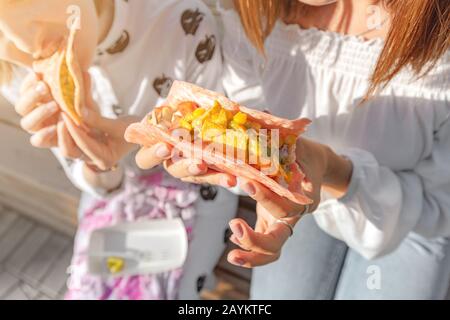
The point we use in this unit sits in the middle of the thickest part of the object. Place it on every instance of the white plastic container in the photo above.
(136, 248)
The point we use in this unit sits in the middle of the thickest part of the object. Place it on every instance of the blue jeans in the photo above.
(314, 265)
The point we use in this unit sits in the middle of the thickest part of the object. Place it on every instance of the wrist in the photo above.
(338, 173)
(109, 180)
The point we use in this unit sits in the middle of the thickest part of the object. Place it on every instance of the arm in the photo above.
(373, 208)
(262, 245)
(382, 206)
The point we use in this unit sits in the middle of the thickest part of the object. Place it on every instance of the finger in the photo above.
(66, 144)
(213, 177)
(30, 80)
(185, 168)
(269, 242)
(39, 117)
(278, 206)
(236, 241)
(32, 98)
(250, 259)
(45, 138)
(147, 158)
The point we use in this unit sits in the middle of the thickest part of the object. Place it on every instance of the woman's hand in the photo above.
(323, 169)
(263, 245)
(101, 145)
(187, 170)
(275, 214)
(41, 117)
(40, 114)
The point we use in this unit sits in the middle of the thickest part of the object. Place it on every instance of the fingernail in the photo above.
(237, 230)
(238, 262)
(249, 188)
(163, 151)
(41, 88)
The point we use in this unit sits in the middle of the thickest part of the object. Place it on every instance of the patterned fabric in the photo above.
(154, 196)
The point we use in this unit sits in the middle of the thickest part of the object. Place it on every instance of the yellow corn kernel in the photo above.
(198, 123)
(198, 112)
(185, 124)
(216, 107)
(220, 118)
(189, 117)
(115, 264)
(211, 130)
(236, 126)
(240, 118)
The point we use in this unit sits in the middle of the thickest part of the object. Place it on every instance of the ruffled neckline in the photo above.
(345, 53)
(341, 37)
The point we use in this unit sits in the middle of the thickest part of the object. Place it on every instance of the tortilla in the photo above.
(183, 98)
(63, 75)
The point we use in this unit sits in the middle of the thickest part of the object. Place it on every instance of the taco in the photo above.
(63, 75)
(228, 137)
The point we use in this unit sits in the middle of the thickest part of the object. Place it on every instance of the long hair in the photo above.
(418, 37)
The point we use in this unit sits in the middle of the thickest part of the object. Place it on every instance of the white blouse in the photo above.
(399, 142)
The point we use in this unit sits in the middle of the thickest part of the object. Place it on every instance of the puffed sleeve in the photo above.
(382, 206)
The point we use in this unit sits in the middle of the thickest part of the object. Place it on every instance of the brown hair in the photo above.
(419, 34)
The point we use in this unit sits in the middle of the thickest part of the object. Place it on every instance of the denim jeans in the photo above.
(315, 265)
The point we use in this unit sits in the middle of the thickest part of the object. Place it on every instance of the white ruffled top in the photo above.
(399, 142)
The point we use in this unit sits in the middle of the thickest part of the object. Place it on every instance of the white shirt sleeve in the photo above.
(75, 173)
(382, 206)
